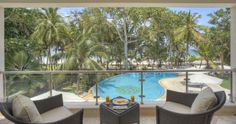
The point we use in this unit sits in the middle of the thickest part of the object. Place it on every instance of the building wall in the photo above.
(233, 47)
(2, 57)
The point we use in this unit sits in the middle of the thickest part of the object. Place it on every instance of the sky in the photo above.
(202, 11)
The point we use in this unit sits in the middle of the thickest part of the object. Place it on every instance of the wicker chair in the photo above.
(44, 106)
(164, 116)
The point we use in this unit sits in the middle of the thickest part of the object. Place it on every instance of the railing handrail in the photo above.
(120, 71)
(112, 71)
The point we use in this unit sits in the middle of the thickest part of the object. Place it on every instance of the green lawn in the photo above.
(226, 84)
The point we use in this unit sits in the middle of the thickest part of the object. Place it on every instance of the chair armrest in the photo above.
(47, 104)
(164, 116)
(76, 118)
(182, 98)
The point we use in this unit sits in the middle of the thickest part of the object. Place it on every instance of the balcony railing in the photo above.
(34, 83)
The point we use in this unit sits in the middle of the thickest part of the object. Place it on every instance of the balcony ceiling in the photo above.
(117, 3)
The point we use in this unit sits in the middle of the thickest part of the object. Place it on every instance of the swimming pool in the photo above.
(128, 84)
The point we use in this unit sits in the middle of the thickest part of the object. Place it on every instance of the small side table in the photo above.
(108, 115)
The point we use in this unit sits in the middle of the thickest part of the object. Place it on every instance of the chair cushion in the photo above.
(205, 100)
(56, 114)
(24, 109)
(176, 107)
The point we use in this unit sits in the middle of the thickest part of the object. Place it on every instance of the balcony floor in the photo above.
(150, 120)
(93, 118)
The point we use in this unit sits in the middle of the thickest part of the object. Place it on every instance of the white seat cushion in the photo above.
(56, 114)
(176, 107)
(24, 109)
(205, 100)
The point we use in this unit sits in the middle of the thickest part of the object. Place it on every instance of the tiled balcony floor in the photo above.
(152, 120)
(89, 119)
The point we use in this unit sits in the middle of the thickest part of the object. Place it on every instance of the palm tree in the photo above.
(104, 32)
(206, 51)
(220, 34)
(82, 48)
(22, 61)
(49, 31)
(189, 32)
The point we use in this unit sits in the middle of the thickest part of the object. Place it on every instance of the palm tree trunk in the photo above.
(153, 64)
(55, 63)
(186, 57)
(49, 58)
(47, 64)
(200, 64)
(107, 65)
(61, 64)
(78, 84)
(207, 66)
(125, 46)
(160, 63)
(222, 60)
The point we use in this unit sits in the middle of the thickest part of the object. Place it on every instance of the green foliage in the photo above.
(216, 45)
(189, 32)
(29, 85)
(226, 84)
(20, 22)
(220, 34)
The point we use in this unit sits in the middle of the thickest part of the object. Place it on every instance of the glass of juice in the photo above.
(107, 100)
(132, 99)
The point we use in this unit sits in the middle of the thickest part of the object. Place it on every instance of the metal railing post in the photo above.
(50, 84)
(2, 98)
(186, 79)
(141, 81)
(231, 87)
(96, 97)
(4, 87)
(78, 83)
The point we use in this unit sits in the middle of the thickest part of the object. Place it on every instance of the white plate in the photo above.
(120, 101)
(120, 107)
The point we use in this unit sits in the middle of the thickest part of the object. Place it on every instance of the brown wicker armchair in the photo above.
(164, 116)
(44, 106)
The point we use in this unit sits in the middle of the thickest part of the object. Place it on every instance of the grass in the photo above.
(226, 84)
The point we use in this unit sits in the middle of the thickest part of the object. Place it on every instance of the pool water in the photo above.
(128, 84)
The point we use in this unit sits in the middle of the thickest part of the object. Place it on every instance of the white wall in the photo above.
(2, 61)
(233, 47)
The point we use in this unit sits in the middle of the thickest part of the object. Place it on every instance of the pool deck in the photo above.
(173, 84)
(177, 84)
